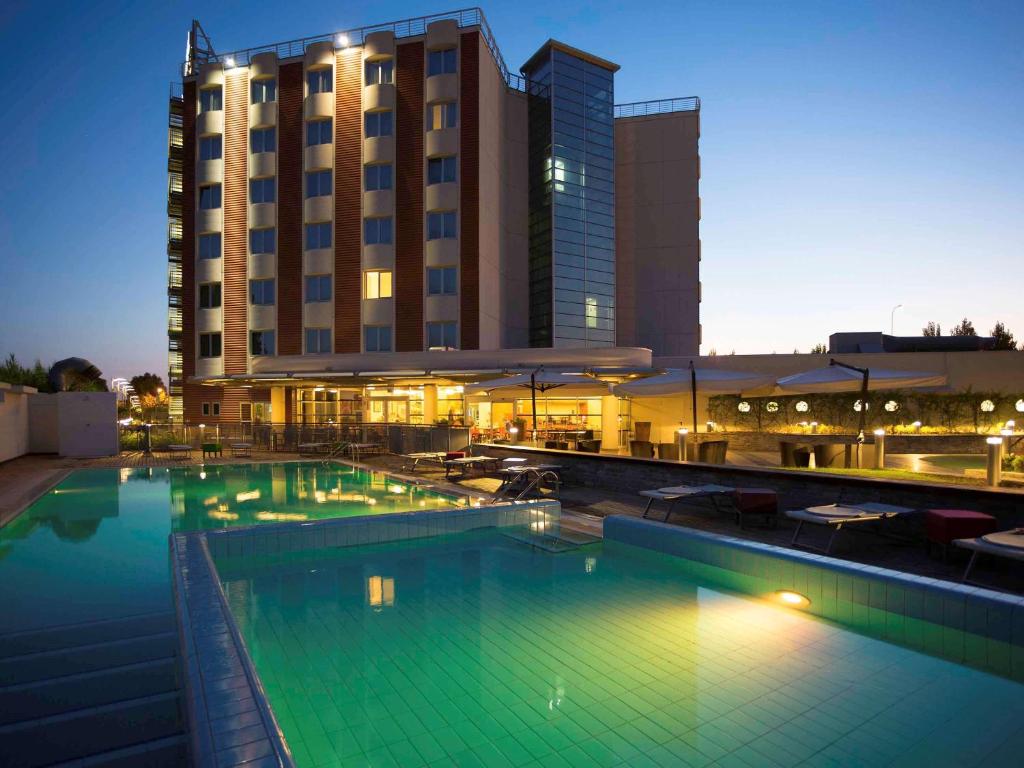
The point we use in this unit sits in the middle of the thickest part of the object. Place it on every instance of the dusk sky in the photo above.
(855, 156)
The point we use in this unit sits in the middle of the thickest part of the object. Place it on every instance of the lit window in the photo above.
(378, 124)
(380, 72)
(443, 115)
(318, 235)
(318, 183)
(318, 288)
(262, 140)
(378, 284)
(209, 197)
(209, 295)
(377, 230)
(378, 176)
(318, 341)
(442, 281)
(211, 99)
(263, 90)
(441, 62)
(210, 148)
(209, 345)
(440, 225)
(320, 81)
(262, 190)
(261, 292)
(377, 338)
(262, 240)
(319, 132)
(261, 343)
(209, 246)
(441, 335)
(440, 170)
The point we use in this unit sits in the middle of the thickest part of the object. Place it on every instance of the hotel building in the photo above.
(363, 221)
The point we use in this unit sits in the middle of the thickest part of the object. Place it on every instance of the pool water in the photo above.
(96, 546)
(477, 650)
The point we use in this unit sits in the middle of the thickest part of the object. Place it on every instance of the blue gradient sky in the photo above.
(855, 156)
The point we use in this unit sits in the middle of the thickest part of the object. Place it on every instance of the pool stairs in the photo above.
(104, 693)
(553, 540)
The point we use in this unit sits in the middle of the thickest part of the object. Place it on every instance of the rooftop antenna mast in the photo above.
(198, 48)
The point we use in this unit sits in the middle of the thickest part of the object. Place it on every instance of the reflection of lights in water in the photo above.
(423, 503)
(248, 495)
(202, 475)
(539, 525)
(396, 488)
(557, 697)
(380, 592)
(590, 564)
(320, 496)
(282, 517)
(126, 474)
(221, 514)
(794, 599)
(371, 501)
(210, 501)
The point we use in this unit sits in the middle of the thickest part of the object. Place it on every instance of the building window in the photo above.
(440, 225)
(209, 295)
(441, 62)
(441, 335)
(377, 176)
(261, 190)
(442, 115)
(211, 99)
(261, 343)
(318, 235)
(209, 197)
(206, 409)
(377, 230)
(319, 132)
(320, 81)
(210, 148)
(216, 409)
(380, 72)
(209, 246)
(263, 90)
(377, 284)
(209, 345)
(261, 292)
(318, 288)
(262, 240)
(262, 140)
(377, 338)
(378, 124)
(440, 170)
(442, 281)
(318, 341)
(318, 183)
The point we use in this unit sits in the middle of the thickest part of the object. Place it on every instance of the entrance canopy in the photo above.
(836, 378)
(680, 381)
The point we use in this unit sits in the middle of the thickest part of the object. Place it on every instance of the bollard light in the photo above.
(879, 462)
(681, 437)
(994, 466)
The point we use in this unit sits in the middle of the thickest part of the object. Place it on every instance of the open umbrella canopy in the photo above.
(544, 380)
(678, 381)
(837, 378)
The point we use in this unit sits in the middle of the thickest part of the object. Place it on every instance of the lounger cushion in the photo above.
(756, 501)
(944, 525)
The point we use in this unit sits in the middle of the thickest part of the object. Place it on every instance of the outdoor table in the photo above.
(212, 449)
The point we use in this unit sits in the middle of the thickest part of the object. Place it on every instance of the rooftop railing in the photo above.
(658, 107)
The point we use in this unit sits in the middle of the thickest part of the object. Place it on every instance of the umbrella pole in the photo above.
(533, 401)
(693, 397)
(863, 405)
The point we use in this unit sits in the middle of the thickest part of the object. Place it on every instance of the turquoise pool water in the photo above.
(96, 546)
(475, 650)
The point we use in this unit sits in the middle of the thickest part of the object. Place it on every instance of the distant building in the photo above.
(844, 343)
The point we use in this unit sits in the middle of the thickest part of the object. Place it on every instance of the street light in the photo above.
(892, 319)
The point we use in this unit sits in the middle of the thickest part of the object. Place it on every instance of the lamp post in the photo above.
(994, 466)
(892, 319)
(879, 462)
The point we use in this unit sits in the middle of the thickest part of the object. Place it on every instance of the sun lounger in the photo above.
(180, 449)
(676, 493)
(466, 463)
(241, 449)
(424, 457)
(1008, 544)
(520, 480)
(836, 516)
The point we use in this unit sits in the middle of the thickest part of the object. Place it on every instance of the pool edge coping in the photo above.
(36, 493)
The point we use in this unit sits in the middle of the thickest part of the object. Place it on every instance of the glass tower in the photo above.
(572, 198)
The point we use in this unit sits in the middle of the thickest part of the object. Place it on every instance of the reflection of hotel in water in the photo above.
(361, 224)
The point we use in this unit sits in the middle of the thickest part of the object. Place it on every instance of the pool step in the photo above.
(553, 542)
(90, 633)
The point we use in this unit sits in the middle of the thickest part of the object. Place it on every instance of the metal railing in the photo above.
(657, 107)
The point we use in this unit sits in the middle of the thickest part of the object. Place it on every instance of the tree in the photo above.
(13, 372)
(1003, 336)
(819, 349)
(964, 328)
(932, 329)
(712, 352)
(147, 384)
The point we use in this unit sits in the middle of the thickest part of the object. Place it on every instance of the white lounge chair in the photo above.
(836, 516)
(423, 457)
(675, 493)
(1008, 544)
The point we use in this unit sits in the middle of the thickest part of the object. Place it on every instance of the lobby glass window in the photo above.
(263, 90)
(318, 341)
(320, 81)
(262, 240)
(209, 345)
(440, 225)
(377, 230)
(209, 295)
(441, 62)
(442, 335)
(262, 190)
(211, 99)
(319, 132)
(377, 338)
(377, 176)
(442, 281)
(209, 246)
(318, 235)
(209, 197)
(377, 284)
(261, 292)
(378, 124)
(318, 183)
(262, 140)
(440, 170)
(380, 72)
(261, 343)
(442, 115)
(318, 288)
(211, 148)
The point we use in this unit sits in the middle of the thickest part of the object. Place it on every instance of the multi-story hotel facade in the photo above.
(391, 209)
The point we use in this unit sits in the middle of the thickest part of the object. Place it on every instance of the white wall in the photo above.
(43, 436)
(14, 420)
(87, 424)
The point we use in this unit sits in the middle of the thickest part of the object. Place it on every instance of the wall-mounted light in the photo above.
(341, 41)
(230, 63)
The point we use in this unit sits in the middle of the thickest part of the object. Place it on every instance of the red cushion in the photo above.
(455, 455)
(944, 525)
(757, 501)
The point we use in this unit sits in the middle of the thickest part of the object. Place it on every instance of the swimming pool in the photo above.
(477, 649)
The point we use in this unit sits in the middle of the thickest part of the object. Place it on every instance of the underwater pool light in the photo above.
(792, 599)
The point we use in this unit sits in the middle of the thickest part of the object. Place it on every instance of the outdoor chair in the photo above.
(712, 451)
(673, 494)
(839, 516)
